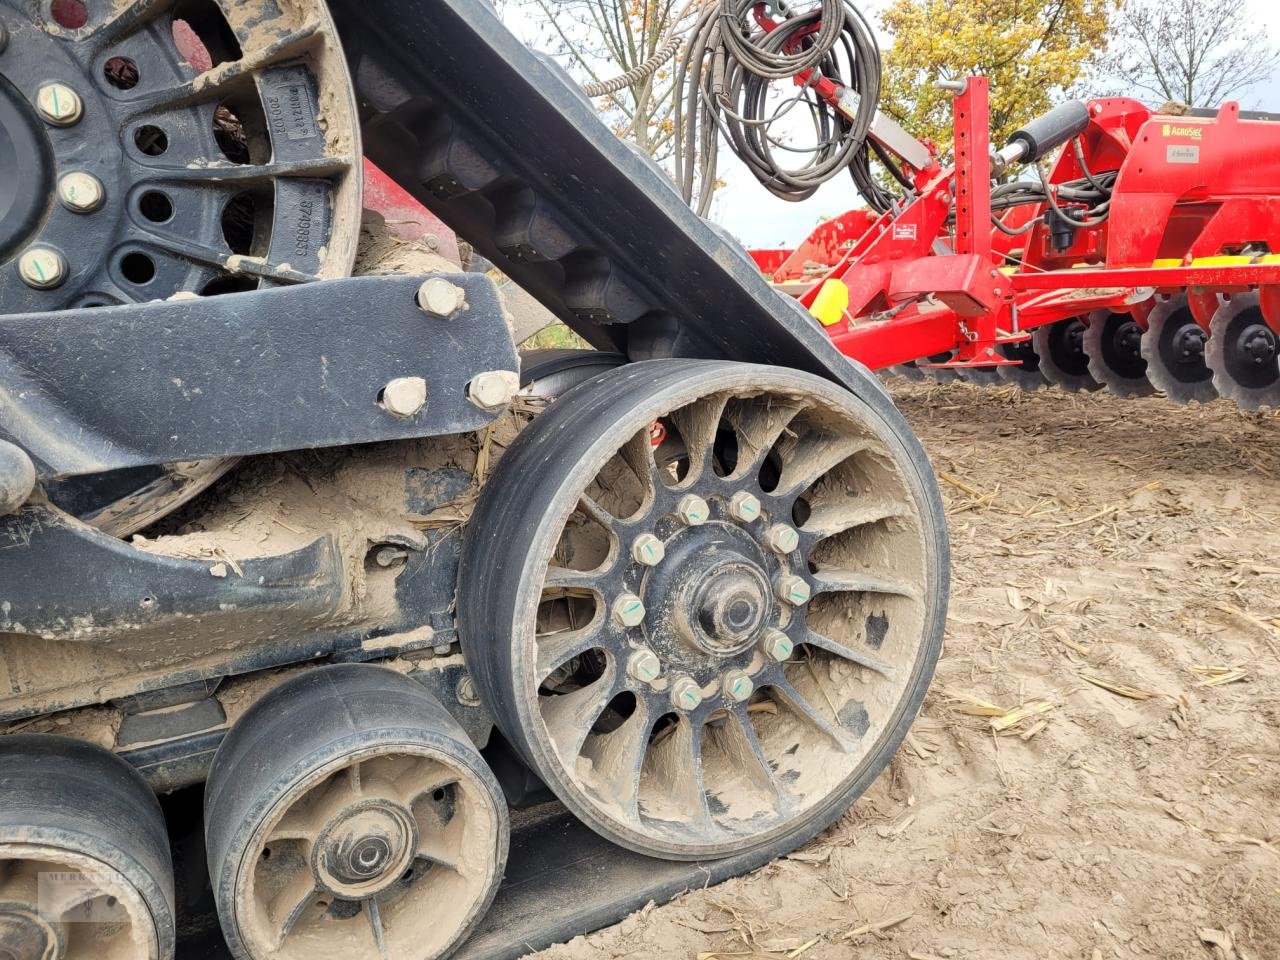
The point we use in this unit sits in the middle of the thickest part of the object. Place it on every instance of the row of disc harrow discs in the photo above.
(1238, 358)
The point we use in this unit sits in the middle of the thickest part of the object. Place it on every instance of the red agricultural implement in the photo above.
(1145, 257)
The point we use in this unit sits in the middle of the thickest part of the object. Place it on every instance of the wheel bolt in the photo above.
(644, 666)
(778, 645)
(440, 298)
(744, 507)
(59, 104)
(782, 538)
(738, 685)
(648, 550)
(685, 693)
(404, 396)
(81, 192)
(493, 389)
(42, 268)
(628, 610)
(693, 510)
(793, 590)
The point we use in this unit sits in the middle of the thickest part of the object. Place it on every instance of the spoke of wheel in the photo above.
(438, 847)
(128, 19)
(677, 759)
(569, 717)
(750, 755)
(815, 639)
(375, 923)
(812, 457)
(291, 903)
(829, 519)
(564, 578)
(213, 83)
(618, 757)
(353, 779)
(224, 260)
(638, 455)
(837, 580)
(557, 649)
(319, 168)
(698, 424)
(759, 423)
(798, 704)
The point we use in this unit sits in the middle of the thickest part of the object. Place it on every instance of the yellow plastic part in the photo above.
(830, 303)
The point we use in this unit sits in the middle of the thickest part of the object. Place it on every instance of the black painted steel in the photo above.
(246, 373)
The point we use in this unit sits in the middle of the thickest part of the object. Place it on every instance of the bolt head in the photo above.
(404, 396)
(42, 268)
(493, 389)
(644, 666)
(744, 507)
(628, 610)
(738, 685)
(648, 549)
(782, 538)
(81, 192)
(777, 645)
(793, 590)
(685, 693)
(59, 104)
(693, 510)
(439, 297)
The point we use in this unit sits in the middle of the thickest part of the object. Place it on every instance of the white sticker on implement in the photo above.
(904, 231)
(1182, 154)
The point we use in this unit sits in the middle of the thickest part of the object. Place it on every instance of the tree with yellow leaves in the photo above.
(1033, 51)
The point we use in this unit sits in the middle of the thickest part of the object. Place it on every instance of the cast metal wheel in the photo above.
(199, 146)
(1113, 344)
(1173, 347)
(347, 814)
(85, 872)
(1243, 351)
(705, 599)
(1060, 347)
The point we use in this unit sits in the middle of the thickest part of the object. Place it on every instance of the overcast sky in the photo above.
(760, 219)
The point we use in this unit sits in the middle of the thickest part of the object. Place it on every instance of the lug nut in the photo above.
(782, 538)
(644, 666)
(685, 693)
(693, 510)
(778, 645)
(744, 507)
(42, 268)
(738, 685)
(648, 550)
(493, 389)
(440, 298)
(59, 104)
(628, 610)
(81, 192)
(404, 396)
(793, 590)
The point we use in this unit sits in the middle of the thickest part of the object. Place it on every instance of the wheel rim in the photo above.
(710, 695)
(57, 904)
(370, 846)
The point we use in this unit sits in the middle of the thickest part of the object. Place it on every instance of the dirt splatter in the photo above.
(1115, 574)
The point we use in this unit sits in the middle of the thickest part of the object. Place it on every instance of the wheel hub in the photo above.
(721, 610)
(1258, 344)
(365, 848)
(26, 156)
(1188, 344)
(25, 935)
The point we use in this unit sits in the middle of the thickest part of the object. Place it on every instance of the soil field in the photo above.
(1096, 772)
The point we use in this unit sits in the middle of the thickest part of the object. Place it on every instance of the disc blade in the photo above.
(1174, 347)
(1060, 347)
(1026, 375)
(1242, 353)
(1112, 342)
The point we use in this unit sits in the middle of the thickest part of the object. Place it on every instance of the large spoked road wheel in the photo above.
(348, 815)
(705, 600)
(85, 872)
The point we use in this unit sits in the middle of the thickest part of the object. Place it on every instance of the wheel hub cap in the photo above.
(1258, 344)
(365, 848)
(728, 604)
(1188, 344)
(24, 935)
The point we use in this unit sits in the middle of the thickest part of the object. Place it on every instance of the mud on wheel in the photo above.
(705, 600)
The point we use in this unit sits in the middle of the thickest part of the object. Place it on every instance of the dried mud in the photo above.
(1116, 583)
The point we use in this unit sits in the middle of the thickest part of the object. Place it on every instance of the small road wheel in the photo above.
(348, 815)
(705, 599)
(85, 870)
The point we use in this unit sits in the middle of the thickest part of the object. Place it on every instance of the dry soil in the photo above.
(1116, 579)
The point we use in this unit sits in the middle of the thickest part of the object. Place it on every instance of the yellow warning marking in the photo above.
(1234, 261)
(830, 303)
(1166, 263)
(1269, 258)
